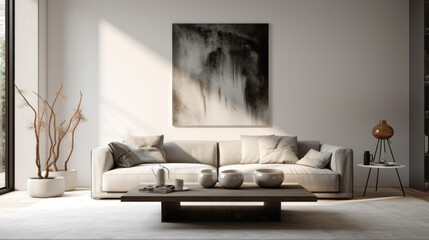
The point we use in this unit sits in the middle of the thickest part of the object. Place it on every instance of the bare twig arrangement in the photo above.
(56, 133)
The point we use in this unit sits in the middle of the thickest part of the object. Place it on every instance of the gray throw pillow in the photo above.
(278, 149)
(124, 156)
(315, 159)
(250, 148)
(152, 146)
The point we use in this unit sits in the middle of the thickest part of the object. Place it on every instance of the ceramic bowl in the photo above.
(231, 178)
(207, 178)
(268, 178)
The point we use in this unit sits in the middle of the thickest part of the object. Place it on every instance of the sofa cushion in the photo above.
(315, 159)
(126, 156)
(250, 148)
(230, 151)
(204, 152)
(123, 179)
(313, 179)
(278, 149)
(149, 145)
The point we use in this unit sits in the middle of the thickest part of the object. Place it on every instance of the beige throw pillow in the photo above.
(315, 159)
(250, 148)
(152, 146)
(278, 149)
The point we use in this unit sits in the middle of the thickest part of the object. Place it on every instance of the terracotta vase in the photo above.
(382, 130)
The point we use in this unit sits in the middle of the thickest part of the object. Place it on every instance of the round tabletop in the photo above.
(381, 166)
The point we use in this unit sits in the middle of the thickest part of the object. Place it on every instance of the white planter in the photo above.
(44, 188)
(70, 178)
(231, 178)
(268, 178)
(207, 178)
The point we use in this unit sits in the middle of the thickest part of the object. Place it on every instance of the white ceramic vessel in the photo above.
(207, 178)
(231, 178)
(70, 178)
(44, 188)
(268, 178)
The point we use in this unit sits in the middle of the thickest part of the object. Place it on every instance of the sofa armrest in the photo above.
(342, 163)
(101, 162)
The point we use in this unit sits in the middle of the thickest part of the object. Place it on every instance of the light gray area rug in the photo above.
(77, 216)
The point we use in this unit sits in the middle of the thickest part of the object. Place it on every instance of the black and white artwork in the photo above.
(220, 75)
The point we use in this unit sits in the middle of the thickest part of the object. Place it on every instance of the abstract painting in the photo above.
(220, 75)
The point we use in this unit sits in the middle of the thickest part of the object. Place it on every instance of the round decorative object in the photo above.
(382, 130)
(231, 178)
(70, 177)
(44, 188)
(268, 178)
(207, 178)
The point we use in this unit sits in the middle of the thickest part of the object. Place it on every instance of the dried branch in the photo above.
(78, 117)
(56, 133)
(36, 133)
(54, 118)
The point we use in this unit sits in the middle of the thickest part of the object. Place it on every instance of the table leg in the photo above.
(169, 211)
(376, 182)
(366, 185)
(273, 210)
(400, 182)
(376, 150)
(174, 212)
(393, 157)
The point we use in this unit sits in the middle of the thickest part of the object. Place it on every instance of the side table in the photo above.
(378, 167)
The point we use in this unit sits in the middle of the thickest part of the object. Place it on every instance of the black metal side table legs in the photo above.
(400, 182)
(376, 184)
(366, 185)
(381, 146)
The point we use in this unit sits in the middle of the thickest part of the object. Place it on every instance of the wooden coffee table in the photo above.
(172, 211)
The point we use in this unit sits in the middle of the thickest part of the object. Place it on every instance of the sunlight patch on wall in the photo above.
(130, 74)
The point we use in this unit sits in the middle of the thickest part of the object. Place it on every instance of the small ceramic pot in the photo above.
(231, 178)
(268, 178)
(207, 178)
(70, 178)
(382, 130)
(44, 188)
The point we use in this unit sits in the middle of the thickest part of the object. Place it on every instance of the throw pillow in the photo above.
(315, 159)
(250, 148)
(152, 146)
(278, 149)
(124, 156)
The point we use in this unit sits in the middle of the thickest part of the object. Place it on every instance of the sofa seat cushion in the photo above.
(124, 179)
(313, 179)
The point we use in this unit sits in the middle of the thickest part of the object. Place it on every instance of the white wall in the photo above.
(336, 68)
(26, 77)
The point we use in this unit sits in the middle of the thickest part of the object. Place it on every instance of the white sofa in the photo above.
(185, 159)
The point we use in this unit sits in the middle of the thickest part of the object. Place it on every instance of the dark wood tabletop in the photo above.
(247, 193)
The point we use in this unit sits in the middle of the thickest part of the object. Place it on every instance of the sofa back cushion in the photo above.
(191, 152)
(230, 151)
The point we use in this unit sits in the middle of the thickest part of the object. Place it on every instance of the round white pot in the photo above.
(231, 178)
(70, 178)
(268, 178)
(44, 188)
(207, 178)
